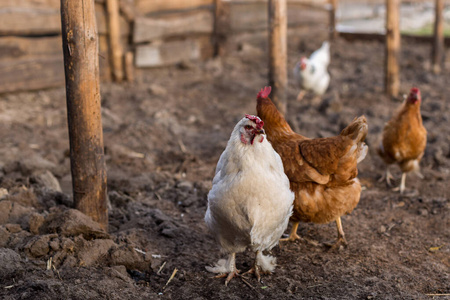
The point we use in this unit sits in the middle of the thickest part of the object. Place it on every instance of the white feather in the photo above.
(267, 263)
(222, 266)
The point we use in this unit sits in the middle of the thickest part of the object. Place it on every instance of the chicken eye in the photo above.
(248, 127)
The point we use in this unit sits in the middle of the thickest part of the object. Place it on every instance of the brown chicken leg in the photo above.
(293, 236)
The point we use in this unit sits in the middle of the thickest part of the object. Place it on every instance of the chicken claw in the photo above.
(293, 236)
(254, 270)
(262, 265)
(387, 176)
(229, 276)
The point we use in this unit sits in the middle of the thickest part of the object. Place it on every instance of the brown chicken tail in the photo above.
(357, 131)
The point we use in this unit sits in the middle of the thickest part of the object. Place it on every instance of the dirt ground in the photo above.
(163, 137)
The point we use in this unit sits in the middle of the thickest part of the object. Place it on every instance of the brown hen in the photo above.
(322, 172)
(404, 139)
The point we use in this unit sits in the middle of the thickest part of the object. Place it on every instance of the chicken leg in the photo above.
(231, 272)
(387, 176)
(402, 186)
(262, 265)
(300, 95)
(341, 236)
(255, 269)
(293, 236)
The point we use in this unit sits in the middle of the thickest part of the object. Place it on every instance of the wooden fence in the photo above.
(153, 33)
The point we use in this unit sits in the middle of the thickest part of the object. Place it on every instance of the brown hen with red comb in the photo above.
(404, 139)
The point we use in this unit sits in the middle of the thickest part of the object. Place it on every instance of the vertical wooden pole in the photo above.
(333, 32)
(438, 43)
(112, 7)
(392, 83)
(80, 47)
(129, 66)
(220, 27)
(278, 53)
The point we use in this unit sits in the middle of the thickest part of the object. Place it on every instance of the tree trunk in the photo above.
(438, 43)
(392, 83)
(80, 47)
(278, 53)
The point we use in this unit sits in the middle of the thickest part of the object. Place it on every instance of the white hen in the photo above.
(312, 74)
(250, 202)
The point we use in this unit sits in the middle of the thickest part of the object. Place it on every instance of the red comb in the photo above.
(264, 93)
(259, 123)
(415, 90)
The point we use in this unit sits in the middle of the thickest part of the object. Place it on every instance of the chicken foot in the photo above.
(402, 186)
(387, 176)
(293, 236)
(341, 236)
(234, 272)
(257, 268)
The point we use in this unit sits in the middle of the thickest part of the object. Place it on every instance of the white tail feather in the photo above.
(362, 153)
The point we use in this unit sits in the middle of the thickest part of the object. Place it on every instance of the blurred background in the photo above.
(155, 33)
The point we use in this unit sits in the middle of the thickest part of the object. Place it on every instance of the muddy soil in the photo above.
(163, 137)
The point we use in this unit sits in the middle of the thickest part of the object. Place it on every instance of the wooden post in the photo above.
(129, 66)
(438, 43)
(392, 81)
(112, 7)
(333, 32)
(80, 47)
(278, 53)
(220, 27)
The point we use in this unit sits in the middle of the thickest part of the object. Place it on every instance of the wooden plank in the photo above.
(144, 7)
(24, 48)
(253, 15)
(31, 74)
(278, 53)
(81, 65)
(39, 20)
(349, 36)
(198, 22)
(30, 4)
(43, 18)
(299, 14)
(173, 52)
(392, 80)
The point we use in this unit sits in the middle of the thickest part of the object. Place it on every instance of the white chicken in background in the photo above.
(312, 74)
(250, 202)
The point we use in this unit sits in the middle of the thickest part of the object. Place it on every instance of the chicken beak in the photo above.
(260, 131)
